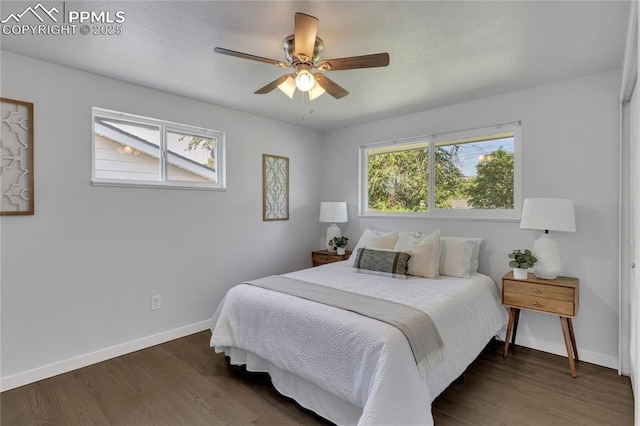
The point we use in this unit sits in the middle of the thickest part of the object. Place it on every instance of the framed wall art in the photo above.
(16, 158)
(275, 189)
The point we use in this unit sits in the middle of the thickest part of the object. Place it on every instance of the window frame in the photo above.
(510, 215)
(163, 159)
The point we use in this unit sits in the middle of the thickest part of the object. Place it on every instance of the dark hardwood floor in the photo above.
(184, 382)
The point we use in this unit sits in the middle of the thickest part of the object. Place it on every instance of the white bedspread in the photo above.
(349, 368)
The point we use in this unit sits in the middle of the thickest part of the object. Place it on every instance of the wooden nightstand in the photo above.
(322, 257)
(556, 297)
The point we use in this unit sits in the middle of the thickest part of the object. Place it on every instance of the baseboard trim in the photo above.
(56, 368)
(554, 348)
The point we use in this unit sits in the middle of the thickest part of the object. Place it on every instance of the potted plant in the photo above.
(520, 262)
(339, 244)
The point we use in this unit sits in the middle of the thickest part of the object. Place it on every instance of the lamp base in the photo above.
(547, 251)
(333, 231)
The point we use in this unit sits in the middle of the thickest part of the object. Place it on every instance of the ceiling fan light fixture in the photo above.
(288, 87)
(303, 51)
(315, 91)
(305, 81)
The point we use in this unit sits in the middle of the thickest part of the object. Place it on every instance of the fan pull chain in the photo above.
(310, 104)
(304, 105)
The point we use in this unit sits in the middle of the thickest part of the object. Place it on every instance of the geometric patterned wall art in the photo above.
(275, 189)
(16, 158)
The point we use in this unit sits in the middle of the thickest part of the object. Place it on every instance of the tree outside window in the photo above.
(469, 174)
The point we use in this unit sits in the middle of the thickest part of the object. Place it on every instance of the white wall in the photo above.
(570, 150)
(78, 276)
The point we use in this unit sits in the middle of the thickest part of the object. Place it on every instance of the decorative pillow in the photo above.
(459, 256)
(382, 262)
(425, 253)
(375, 240)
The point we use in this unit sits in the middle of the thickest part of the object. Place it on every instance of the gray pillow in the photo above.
(389, 263)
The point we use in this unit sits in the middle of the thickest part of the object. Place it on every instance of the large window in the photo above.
(130, 150)
(469, 174)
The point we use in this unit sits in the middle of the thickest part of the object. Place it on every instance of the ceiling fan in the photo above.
(302, 51)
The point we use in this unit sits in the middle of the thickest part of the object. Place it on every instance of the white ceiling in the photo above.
(442, 52)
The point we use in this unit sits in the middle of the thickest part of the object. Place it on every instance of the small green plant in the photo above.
(338, 242)
(522, 259)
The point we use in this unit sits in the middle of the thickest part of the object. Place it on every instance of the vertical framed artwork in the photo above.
(16, 157)
(275, 187)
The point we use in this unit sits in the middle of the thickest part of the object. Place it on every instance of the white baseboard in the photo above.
(554, 348)
(50, 370)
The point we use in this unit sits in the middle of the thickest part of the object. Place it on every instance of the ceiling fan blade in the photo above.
(330, 86)
(228, 52)
(355, 62)
(305, 36)
(275, 83)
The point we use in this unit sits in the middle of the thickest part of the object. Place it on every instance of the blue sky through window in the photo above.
(471, 153)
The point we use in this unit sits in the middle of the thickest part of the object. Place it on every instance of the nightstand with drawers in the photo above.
(322, 257)
(557, 297)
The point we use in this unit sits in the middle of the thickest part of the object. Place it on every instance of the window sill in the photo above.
(158, 185)
(485, 216)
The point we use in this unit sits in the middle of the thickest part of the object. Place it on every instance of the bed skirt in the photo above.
(302, 391)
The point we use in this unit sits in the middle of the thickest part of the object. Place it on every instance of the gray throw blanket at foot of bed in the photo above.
(419, 329)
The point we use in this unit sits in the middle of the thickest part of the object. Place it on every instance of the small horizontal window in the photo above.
(469, 175)
(131, 150)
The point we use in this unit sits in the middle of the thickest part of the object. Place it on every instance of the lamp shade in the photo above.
(333, 212)
(548, 214)
(315, 91)
(288, 87)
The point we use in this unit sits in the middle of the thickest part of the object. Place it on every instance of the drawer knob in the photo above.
(535, 290)
(535, 303)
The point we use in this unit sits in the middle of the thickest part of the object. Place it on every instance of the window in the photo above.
(472, 174)
(130, 150)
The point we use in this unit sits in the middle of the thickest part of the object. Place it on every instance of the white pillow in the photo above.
(459, 256)
(475, 258)
(375, 240)
(425, 253)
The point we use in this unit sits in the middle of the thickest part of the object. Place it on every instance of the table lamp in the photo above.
(333, 212)
(548, 214)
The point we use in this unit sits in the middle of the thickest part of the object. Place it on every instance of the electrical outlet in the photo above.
(156, 302)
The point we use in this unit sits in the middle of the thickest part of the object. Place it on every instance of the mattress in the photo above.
(352, 369)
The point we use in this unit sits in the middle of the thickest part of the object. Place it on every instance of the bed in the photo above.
(349, 368)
